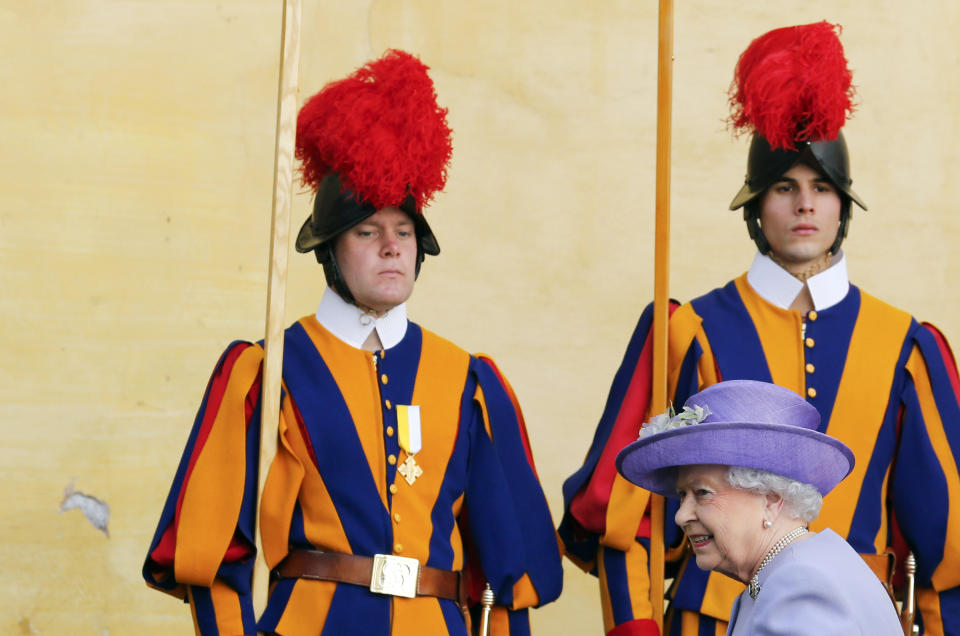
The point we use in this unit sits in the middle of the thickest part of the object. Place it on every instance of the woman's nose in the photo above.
(684, 512)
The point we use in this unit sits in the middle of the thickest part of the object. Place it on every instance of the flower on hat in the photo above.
(671, 419)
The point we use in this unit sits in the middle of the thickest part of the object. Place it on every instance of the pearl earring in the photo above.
(767, 523)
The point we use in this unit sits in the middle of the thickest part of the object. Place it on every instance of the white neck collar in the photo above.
(348, 323)
(779, 287)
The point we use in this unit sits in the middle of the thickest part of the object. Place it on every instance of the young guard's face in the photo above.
(799, 216)
(377, 258)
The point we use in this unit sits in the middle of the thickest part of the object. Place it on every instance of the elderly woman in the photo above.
(750, 470)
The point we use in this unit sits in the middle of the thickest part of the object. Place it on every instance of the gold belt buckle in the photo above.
(395, 575)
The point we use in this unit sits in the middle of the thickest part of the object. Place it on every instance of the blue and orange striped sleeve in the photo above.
(587, 493)
(926, 484)
(606, 527)
(202, 550)
(509, 520)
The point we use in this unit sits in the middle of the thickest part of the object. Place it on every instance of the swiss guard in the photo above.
(884, 383)
(403, 482)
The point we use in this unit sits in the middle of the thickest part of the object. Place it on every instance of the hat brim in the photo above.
(791, 451)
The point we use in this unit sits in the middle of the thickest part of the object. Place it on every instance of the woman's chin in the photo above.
(706, 562)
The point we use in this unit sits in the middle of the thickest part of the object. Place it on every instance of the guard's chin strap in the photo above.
(331, 271)
(751, 214)
(844, 225)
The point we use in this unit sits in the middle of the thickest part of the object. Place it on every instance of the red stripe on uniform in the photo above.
(947, 354)
(516, 407)
(218, 385)
(589, 506)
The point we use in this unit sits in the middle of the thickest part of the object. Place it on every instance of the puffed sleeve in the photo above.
(509, 522)
(605, 528)
(203, 547)
(926, 485)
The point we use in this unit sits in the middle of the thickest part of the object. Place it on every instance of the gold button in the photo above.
(383, 354)
(812, 392)
(393, 489)
(383, 378)
(389, 431)
(391, 459)
(810, 368)
(388, 404)
(396, 517)
(812, 315)
(809, 343)
(398, 547)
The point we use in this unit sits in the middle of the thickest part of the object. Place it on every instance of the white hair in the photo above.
(800, 500)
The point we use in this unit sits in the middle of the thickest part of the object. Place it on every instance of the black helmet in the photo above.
(765, 166)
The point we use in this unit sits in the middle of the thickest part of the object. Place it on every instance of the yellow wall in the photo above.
(135, 189)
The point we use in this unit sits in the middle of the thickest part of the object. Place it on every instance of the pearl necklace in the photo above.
(787, 539)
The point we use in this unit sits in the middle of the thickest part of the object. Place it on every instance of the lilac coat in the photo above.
(821, 586)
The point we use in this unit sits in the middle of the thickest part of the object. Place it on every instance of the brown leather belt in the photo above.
(371, 572)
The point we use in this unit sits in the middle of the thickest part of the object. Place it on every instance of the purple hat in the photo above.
(737, 423)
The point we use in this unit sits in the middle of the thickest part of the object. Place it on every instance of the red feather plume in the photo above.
(793, 84)
(380, 129)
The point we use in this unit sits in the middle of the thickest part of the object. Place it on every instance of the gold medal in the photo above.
(410, 470)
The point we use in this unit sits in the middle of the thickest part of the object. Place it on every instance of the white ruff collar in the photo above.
(348, 323)
(779, 287)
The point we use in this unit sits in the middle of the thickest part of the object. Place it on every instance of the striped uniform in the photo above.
(884, 384)
(334, 485)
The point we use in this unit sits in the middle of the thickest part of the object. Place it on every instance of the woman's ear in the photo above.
(772, 505)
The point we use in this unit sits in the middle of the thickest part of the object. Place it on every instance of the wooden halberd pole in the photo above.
(661, 277)
(277, 273)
